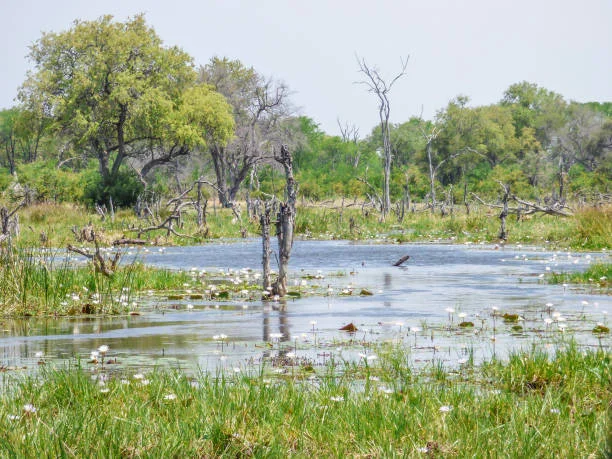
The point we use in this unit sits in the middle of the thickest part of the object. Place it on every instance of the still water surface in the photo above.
(420, 303)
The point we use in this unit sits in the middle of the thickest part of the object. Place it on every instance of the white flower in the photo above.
(337, 399)
(138, 376)
(555, 411)
(170, 397)
(445, 408)
(103, 349)
(29, 408)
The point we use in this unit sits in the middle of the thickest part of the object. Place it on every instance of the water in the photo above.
(428, 294)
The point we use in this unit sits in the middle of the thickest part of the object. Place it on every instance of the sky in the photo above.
(476, 48)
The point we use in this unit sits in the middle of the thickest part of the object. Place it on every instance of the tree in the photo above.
(117, 94)
(377, 85)
(584, 139)
(260, 106)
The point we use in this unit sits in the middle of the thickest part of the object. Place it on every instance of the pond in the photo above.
(420, 303)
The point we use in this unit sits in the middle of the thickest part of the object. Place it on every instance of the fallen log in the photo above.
(401, 260)
(129, 241)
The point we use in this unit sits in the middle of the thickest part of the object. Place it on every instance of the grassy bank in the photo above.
(36, 282)
(533, 405)
(589, 229)
(598, 275)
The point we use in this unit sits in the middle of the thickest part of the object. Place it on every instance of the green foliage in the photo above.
(50, 183)
(114, 91)
(123, 190)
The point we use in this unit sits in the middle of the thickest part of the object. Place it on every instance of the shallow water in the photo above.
(470, 280)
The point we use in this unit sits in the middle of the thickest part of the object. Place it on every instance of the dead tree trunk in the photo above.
(285, 223)
(264, 220)
(379, 86)
(503, 234)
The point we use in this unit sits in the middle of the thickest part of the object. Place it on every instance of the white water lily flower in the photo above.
(29, 408)
(103, 349)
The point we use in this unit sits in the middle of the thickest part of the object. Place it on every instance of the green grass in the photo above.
(598, 275)
(589, 229)
(533, 405)
(44, 283)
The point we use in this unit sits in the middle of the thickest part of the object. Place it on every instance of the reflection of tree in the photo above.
(387, 281)
(284, 326)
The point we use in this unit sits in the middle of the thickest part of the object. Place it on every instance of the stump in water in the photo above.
(285, 223)
(401, 260)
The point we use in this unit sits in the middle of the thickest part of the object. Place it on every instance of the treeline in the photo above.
(109, 113)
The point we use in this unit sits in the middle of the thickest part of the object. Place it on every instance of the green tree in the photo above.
(260, 109)
(116, 93)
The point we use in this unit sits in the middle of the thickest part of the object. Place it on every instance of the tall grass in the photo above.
(534, 405)
(588, 230)
(45, 283)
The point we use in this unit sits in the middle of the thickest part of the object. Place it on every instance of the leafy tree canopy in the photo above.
(116, 92)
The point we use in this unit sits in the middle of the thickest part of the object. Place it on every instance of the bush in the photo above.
(50, 183)
(124, 189)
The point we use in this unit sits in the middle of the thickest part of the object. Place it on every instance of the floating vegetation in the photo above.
(601, 329)
(510, 318)
(365, 292)
(466, 324)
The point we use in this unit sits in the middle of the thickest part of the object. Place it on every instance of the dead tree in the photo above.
(102, 264)
(264, 220)
(9, 221)
(553, 207)
(503, 234)
(286, 222)
(377, 85)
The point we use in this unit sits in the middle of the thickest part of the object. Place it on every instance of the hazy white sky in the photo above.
(471, 47)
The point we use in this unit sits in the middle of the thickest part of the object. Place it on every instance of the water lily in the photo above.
(103, 349)
(29, 408)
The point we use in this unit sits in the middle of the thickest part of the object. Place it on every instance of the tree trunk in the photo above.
(503, 234)
(286, 223)
(264, 221)
(432, 178)
(220, 173)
